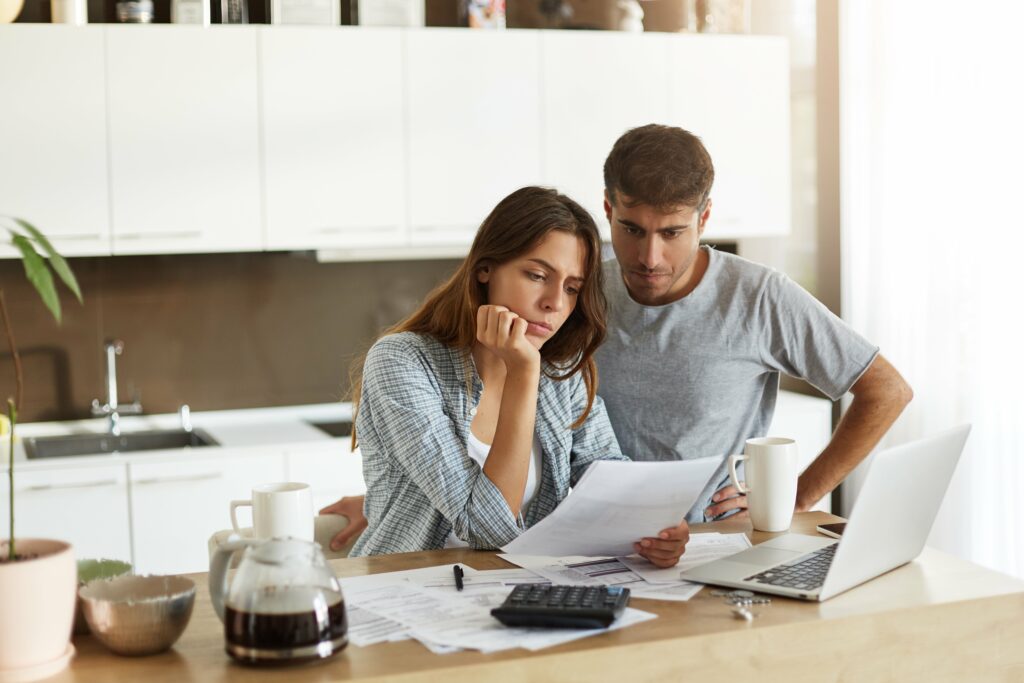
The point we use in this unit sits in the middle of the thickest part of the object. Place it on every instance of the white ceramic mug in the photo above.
(771, 474)
(279, 510)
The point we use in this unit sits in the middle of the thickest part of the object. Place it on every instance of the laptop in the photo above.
(888, 527)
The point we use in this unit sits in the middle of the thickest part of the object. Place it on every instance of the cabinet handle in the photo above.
(187, 234)
(75, 238)
(178, 479)
(343, 229)
(468, 229)
(80, 485)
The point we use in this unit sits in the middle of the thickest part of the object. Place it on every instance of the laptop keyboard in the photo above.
(804, 573)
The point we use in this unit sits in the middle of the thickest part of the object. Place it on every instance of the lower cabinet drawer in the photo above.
(85, 506)
(177, 506)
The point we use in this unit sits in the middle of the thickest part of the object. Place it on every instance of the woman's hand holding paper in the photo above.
(665, 549)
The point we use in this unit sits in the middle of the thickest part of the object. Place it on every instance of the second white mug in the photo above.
(280, 510)
(771, 476)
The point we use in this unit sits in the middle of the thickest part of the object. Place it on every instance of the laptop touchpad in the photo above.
(764, 557)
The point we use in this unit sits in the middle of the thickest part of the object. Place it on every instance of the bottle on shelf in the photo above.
(190, 12)
(134, 11)
(234, 11)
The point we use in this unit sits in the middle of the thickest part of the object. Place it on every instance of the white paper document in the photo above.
(424, 604)
(616, 504)
(681, 591)
(643, 579)
(369, 628)
(476, 581)
(701, 549)
(481, 631)
(382, 607)
(577, 571)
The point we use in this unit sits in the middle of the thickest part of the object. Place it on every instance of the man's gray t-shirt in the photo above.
(699, 376)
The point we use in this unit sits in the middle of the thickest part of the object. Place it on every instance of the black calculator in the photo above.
(538, 604)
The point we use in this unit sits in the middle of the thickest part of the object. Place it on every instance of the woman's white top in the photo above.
(478, 450)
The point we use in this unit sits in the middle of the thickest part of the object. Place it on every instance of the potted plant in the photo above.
(38, 577)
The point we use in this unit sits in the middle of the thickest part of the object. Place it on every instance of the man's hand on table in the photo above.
(665, 549)
(726, 499)
(729, 498)
(351, 507)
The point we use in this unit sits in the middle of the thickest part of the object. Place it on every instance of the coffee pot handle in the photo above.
(733, 459)
(219, 563)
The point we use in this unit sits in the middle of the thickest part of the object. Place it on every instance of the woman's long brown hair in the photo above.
(518, 223)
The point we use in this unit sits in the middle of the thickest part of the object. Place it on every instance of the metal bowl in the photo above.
(138, 615)
(90, 570)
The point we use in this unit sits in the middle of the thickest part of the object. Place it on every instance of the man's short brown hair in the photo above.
(661, 166)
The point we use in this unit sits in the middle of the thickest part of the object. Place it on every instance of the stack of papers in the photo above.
(643, 579)
(424, 604)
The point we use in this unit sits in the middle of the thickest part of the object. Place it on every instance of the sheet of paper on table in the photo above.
(607, 571)
(701, 549)
(423, 604)
(643, 579)
(615, 504)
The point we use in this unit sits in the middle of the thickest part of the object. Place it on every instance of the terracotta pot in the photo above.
(9, 10)
(37, 604)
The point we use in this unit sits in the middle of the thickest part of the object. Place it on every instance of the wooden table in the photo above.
(936, 619)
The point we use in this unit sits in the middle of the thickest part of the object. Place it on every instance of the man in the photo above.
(697, 339)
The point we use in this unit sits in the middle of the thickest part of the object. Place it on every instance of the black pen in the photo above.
(457, 570)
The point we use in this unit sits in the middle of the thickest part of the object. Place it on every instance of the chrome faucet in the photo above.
(185, 416)
(112, 409)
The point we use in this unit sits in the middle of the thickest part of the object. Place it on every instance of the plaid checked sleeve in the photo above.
(407, 433)
(594, 439)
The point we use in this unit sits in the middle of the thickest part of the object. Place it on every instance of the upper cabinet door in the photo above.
(333, 137)
(53, 135)
(184, 139)
(474, 126)
(597, 85)
(733, 91)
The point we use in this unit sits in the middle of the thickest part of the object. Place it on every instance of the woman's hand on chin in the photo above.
(503, 333)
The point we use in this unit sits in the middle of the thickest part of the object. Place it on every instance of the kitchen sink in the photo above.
(92, 444)
(336, 429)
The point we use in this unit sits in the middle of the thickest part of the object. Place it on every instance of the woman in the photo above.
(478, 412)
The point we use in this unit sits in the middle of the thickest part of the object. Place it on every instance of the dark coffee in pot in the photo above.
(286, 626)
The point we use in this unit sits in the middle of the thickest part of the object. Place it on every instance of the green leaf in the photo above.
(60, 266)
(38, 274)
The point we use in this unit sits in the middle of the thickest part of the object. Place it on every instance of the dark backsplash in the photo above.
(214, 331)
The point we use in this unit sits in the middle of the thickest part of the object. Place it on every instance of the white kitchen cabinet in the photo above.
(53, 135)
(184, 139)
(332, 470)
(474, 122)
(176, 505)
(174, 139)
(596, 87)
(733, 91)
(333, 137)
(85, 506)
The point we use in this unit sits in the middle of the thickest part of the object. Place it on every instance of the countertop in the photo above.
(232, 429)
(255, 427)
(937, 618)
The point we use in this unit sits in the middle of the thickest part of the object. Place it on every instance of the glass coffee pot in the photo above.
(283, 606)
